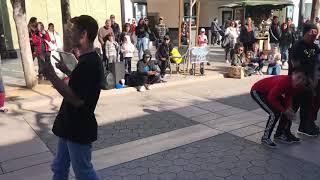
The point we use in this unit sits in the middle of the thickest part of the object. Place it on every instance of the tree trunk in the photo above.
(314, 13)
(19, 16)
(66, 16)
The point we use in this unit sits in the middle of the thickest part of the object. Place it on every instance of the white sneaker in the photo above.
(4, 109)
(147, 86)
(141, 88)
(227, 61)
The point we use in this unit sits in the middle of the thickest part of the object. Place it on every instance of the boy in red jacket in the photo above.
(274, 95)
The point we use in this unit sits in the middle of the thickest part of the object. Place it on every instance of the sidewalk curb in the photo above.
(41, 101)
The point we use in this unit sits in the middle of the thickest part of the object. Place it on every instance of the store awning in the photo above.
(276, 3)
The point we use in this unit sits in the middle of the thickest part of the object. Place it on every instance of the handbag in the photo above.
(225, 42)
(236, 72)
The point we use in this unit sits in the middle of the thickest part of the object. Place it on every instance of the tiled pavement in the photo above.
(209, 130)
(121, 132)
(223, 157)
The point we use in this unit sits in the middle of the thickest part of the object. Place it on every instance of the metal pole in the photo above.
(180, 22)
(198, 21)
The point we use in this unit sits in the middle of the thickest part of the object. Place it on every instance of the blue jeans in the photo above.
(274, 69)
(80, 157)
(142, 45)
(284, 53)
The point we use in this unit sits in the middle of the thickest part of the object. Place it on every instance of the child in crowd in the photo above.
(163, 55)
(2, 95)
(127, 49)
(274, 95)
(274, 59)
(250, 65)
(258, 58)
(112, 49)
(203, 39)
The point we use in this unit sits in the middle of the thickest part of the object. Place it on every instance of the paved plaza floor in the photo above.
(209, 129)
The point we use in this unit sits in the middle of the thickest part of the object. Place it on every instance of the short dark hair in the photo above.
(307, 27)
(50, 24)
(166, 37)
(88, 24)
(275, 17)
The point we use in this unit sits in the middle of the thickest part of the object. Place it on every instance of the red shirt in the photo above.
(275, 87)
(39, 41)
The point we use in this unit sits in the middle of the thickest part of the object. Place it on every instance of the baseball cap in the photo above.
(203, 30)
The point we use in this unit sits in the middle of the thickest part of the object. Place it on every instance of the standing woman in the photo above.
(56, 42)
(142, 38)
(286, 41)
(232, 34)
(247, 35)
(184, 33)
(39, 39)
(126, 33)
(32, 28)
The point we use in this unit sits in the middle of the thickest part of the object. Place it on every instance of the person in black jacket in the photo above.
(304, 54)
(115, 27)
(142, 32)
(147, 72)
(247, 35)
(286, 41)
(275, 32)
(163, 55)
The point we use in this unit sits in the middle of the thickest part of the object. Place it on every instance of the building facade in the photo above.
(49, 11)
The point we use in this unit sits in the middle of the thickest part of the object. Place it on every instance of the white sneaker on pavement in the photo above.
(141, 88)
(147, 86)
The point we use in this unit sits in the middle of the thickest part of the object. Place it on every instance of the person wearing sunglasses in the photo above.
(238, 57)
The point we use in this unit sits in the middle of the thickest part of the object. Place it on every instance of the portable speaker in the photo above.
(118, 71)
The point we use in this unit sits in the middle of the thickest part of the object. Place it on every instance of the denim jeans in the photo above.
(274, 69)
(142, 45)
(80, 157)
(284, 53)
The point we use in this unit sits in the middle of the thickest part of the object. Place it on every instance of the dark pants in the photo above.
(163, 66)
(260, 62)
(274, 116)
(306, 102)
(127, 63)
(41, 63)
(229, 51)
(215, 37)
(248, 46)
(141, 80)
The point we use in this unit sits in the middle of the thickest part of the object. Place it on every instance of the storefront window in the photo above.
(140, 10)
(187, 13)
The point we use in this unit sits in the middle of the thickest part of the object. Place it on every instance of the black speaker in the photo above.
(118, 71)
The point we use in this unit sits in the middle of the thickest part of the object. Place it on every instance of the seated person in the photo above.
(258, 57)
(238, 57)
(274, 67)
(248, 64)
(147, 72)
(163, 55)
